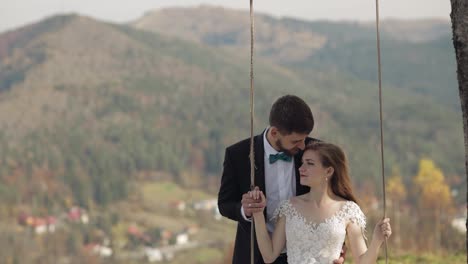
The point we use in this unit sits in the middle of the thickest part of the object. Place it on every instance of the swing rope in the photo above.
(379, 69)
(252, 160)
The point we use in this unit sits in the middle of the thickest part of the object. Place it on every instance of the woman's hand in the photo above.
(382, 230)
(260, 200)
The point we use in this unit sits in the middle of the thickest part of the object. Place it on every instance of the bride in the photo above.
(313, 226)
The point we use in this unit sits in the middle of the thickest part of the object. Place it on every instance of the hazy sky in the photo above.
(14, 13)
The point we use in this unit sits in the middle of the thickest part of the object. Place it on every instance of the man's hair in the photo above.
(291, 114)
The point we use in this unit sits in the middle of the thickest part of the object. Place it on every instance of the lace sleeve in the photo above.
(282, 210)
(355, 215)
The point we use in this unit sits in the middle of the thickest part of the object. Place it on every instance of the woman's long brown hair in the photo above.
(333, 156)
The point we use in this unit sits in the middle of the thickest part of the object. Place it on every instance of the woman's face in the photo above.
(312, 171)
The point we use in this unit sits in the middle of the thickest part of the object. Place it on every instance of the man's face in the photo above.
(290, 144)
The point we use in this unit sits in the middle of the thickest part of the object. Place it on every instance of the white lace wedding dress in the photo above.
(317, 243)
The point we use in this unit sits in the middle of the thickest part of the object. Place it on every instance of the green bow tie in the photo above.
(280, 156)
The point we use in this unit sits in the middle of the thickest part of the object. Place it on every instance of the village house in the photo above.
(40, 225)
(153, 254)
(99, 250)
(138, 235)
(178, 205)
(78, 215)
(182, 238)
(210, 205)
(206, 205)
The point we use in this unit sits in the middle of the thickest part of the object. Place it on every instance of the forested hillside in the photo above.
(90, 105)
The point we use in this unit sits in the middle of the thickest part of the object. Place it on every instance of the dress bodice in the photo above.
(317, 243)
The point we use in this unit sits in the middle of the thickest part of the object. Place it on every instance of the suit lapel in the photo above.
(259, 162)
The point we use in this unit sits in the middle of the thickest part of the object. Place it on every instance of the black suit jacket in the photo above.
(235, 182)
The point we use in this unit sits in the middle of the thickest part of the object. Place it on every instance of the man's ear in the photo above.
(274, 132)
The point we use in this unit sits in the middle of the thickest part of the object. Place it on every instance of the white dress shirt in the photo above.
(280, 182)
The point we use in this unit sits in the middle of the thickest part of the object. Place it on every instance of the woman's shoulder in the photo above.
(342, 204)
(354, 214)
(351, 204)
(350, 207)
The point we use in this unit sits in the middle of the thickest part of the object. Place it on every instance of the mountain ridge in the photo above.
(323, 45)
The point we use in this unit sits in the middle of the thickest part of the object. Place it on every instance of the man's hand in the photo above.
(250, 204)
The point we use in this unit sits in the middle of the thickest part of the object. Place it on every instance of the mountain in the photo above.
(339, 57)
(86, 107)
(105, 102)
(416, 31)
(416, 55)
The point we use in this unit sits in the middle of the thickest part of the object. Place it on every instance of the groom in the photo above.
(278, 153)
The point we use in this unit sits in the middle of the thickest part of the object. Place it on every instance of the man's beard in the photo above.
(290, 152)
